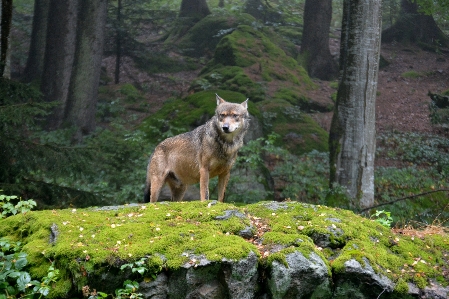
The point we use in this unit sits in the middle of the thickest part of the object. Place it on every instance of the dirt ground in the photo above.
(402, 103)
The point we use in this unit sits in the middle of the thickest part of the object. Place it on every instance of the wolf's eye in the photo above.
(235, 115)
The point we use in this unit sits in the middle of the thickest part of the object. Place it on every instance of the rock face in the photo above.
(229, 279)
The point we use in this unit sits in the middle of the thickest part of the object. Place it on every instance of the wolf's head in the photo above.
(232, 117)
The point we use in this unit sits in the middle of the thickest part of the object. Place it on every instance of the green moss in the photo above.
(253, 60)
(411, 75)
(204, 36)
(172, 234)
(301, 133)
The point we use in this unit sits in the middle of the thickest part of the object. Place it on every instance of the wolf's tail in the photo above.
(147, 191)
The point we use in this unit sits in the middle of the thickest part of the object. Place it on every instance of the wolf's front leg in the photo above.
(204, 183)
(222, 183)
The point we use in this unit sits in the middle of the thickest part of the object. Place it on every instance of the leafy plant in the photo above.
(6, 207)
(15, 282)
(383, 217)
(129, 290)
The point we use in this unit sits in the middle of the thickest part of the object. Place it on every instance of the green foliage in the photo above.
(423, 166)
(129, 290)
(7, 207)
(383, 217)
(416, 148)
(15, 282)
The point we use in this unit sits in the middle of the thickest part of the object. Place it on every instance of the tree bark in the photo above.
(196, 9)
(118, 43)
(35, 62)
(352, 135)
(59, 56)
(5, 36)
(415, 27)
(82, 101)
(315, 52)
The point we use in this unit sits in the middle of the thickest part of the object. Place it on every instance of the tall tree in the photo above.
(35, 62)
(82, 98)
(196, 9)
(352, 134)
(315, 52)
(5, 37)
(59, 56)
(413, 25)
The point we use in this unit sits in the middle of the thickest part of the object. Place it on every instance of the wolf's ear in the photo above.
(245, 104)
(219, 100)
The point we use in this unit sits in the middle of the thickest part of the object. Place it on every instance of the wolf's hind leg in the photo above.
(178, 189)
(177, 192)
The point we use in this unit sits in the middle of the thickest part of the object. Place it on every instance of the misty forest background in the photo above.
(80, 116)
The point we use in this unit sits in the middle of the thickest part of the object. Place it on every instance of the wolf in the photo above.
(208, 151)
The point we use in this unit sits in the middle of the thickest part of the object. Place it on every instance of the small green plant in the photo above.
(129, 290)
(8, 208)
(15, 282)
(383, 217)
(138, 266)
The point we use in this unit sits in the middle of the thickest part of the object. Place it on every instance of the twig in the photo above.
(403, 198)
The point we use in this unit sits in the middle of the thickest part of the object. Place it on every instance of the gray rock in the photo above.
(435, 291)
(230, 213)
(359, 281)
(241, 277)
(302, 278)
(155, 289)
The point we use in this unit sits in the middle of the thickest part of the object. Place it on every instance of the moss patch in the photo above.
(256, 61)
(300, 132)
(88, 241)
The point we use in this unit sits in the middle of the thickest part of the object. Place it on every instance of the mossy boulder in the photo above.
(203, 37)
(300, 133)
(249, 57)
(221, 250)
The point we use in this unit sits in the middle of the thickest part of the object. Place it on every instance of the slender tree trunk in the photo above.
(352, 135)
(35, 63)
(118, 42)
(59, 56)
(315, 52)
(82, 101)
(5, 36)
(414, 26)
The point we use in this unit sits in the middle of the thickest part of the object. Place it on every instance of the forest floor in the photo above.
(402, 101)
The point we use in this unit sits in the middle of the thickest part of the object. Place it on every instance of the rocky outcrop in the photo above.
(210, 250)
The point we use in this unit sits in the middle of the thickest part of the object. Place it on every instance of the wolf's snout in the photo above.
(225, 128)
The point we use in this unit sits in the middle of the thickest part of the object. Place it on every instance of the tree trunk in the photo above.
(196, 9)
(352, 136)
(5, 36)
(315, 52)
(118, 43)
(415, 27)
(82, 101)
(35, 63)
(59, 56)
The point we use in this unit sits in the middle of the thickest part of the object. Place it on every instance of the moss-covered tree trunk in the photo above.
(352, 135)
(315, 52)
(415, 27)
(35, 63)
(5, 33)
(83, 90)
(59, 56)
